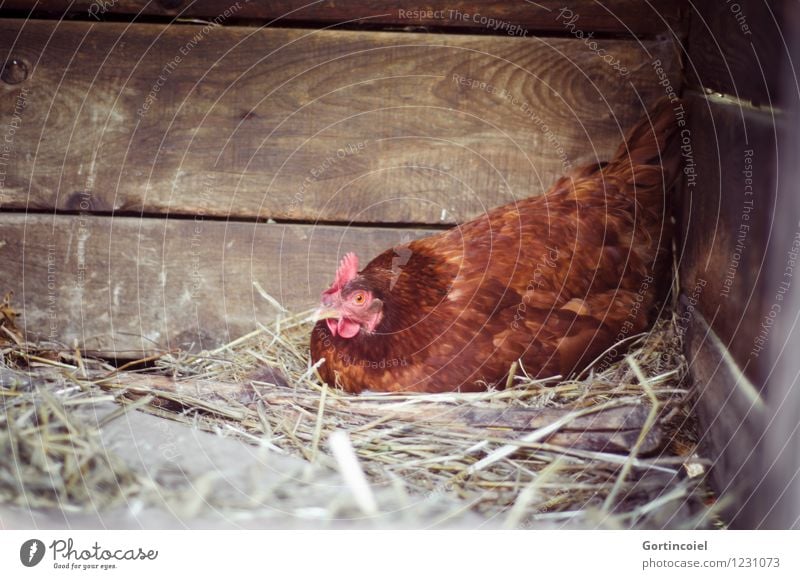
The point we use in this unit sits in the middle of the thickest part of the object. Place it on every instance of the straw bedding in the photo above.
(423, 445)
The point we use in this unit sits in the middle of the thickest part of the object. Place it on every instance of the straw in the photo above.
(422, 446)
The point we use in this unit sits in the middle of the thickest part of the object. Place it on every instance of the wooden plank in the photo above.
(727, 216)
(778, 494)
(776, 473)
(738, 48)
(737, 246)
(732, 414)
(495, 16)
(740, 251)
(307, 125)
(135, 286)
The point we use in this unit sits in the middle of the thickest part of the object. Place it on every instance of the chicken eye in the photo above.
(359, 298)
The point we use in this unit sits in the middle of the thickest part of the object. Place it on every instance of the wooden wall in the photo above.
(736, 244)
(488, 17)
(153, 167)
(160, 165)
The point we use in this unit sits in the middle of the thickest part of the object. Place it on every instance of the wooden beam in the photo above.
(732, 414)
(778, 495)
(491, 16)
(739, 49)
(307, 125)
(739, 223)
(129, 287)
(728, 212)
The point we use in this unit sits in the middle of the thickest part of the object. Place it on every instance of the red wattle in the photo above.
(348, 328)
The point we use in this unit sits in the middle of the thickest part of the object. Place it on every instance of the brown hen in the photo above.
(553, 282)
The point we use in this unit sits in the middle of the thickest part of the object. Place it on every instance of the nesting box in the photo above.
(164, 167)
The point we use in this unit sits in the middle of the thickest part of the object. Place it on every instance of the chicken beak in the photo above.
(324, 313)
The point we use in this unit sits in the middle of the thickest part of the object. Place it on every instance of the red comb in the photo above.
(348, 268)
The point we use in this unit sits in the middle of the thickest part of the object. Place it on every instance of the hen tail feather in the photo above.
(652, 144)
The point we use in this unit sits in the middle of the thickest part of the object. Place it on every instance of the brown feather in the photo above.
(552, 281)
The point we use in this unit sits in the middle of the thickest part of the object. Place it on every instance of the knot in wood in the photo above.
(14, 72)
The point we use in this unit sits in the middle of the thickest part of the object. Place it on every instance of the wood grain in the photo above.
(738, 48)
(779, 491)
(727, 217)
(337, 126)
(732, 416)
(619, 16)
(135, 286)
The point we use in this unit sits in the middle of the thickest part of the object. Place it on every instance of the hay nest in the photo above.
(613, 447)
